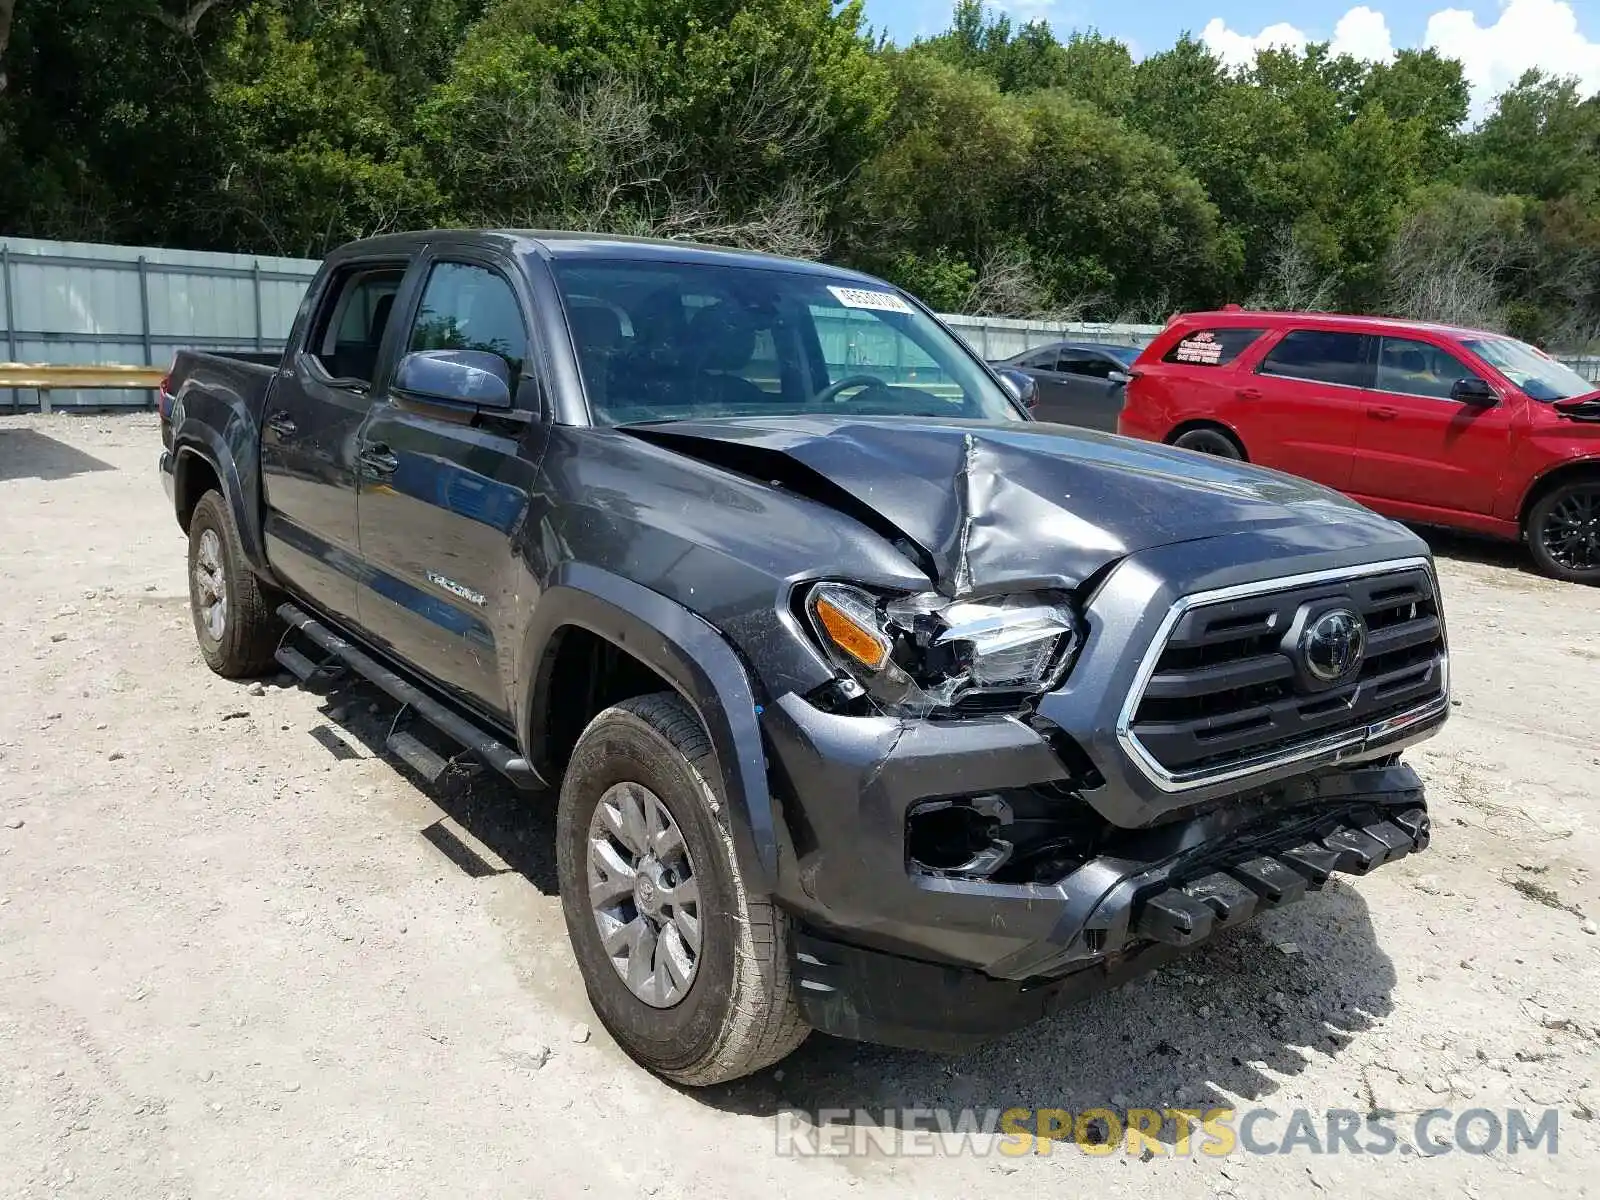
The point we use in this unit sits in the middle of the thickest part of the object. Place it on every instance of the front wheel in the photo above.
(1563, 530)
(688, 971)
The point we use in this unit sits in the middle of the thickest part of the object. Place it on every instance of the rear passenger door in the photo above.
(445, 489)
(1301, 409)
(308, 433)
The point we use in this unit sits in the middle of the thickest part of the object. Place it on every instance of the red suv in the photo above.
(1423, 423)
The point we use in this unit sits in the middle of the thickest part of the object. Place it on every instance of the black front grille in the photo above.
(1228, 689)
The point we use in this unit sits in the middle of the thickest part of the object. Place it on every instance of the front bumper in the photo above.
(1113, 919)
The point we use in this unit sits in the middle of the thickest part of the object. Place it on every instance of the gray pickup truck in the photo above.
(867, 703)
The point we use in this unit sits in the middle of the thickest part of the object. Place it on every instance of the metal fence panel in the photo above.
(78, 303)
(69, 302)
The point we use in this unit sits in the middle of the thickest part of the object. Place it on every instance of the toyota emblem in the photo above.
(1333, 645)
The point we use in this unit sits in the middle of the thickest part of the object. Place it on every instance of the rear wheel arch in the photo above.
(1211, 425)
(200, 448)
(194, 474)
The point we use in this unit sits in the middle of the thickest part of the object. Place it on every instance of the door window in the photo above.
(1094, 368)
(466, 307)
(1321, 356)
(1415, 368)
(348, 330)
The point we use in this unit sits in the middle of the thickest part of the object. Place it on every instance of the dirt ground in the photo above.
(243, 954)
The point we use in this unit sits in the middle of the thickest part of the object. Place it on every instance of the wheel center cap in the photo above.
(647, 891)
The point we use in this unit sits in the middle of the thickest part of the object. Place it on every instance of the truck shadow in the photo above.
(1222, 1028)
(29, 454)
(517, 827)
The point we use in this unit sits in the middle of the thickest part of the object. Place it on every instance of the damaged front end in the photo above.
(1122, 699)
(1133, 906)
(1168, 766)
(925, 654)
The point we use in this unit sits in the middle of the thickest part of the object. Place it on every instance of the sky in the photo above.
(1496, 40)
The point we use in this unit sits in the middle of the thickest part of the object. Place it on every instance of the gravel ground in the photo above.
(243, 954)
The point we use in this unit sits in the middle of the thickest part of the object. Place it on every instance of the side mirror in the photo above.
(475, 377)
(1021, 385)
(1474, 391)
(1116, 376)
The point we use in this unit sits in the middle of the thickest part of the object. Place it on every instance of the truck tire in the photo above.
(234, 621)
(1563, 530)
(687, 970)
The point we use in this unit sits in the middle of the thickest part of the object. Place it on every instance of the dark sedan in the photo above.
(1080, 383)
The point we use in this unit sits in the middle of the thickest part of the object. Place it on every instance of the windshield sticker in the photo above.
(1202, 348)
(863, 298)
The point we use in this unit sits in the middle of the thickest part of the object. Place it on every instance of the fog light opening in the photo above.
(959, 837)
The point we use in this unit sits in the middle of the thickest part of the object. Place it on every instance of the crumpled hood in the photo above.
(1008, 504)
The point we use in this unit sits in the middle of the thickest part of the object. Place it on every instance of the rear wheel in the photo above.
(688, 971)
(234, 621)
(1208, 440)
(1563, 530)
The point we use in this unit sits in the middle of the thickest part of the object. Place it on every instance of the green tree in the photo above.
(1100, 70)
(311, 154)
(1110, 212)
(1542, 139)
(952, 151)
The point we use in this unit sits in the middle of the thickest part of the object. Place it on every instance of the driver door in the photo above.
(446, 486)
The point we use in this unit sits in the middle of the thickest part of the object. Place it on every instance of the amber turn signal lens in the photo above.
(866, 646)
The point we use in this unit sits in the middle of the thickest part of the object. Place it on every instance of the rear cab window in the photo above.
(1211, 347)
(349, 325)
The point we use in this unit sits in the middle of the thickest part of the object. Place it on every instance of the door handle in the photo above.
(1383, 413)
(377, 460)
(280, 423)
(1249, 393)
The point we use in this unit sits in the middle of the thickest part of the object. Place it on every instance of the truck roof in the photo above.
(560, 244)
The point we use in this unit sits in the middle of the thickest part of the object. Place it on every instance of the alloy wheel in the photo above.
(1571, 530)
(644, 894)
(211, 585)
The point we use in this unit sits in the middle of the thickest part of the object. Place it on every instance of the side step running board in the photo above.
(495, 753)
(417, 756)
(319, 678)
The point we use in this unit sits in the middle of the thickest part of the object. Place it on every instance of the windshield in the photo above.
(672, 341)
(1126, 353)
(1535, 372)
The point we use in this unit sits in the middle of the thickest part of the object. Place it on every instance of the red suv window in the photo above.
(1322, 356)
(1211, 347)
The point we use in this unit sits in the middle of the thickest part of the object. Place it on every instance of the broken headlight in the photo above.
(926, 653)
